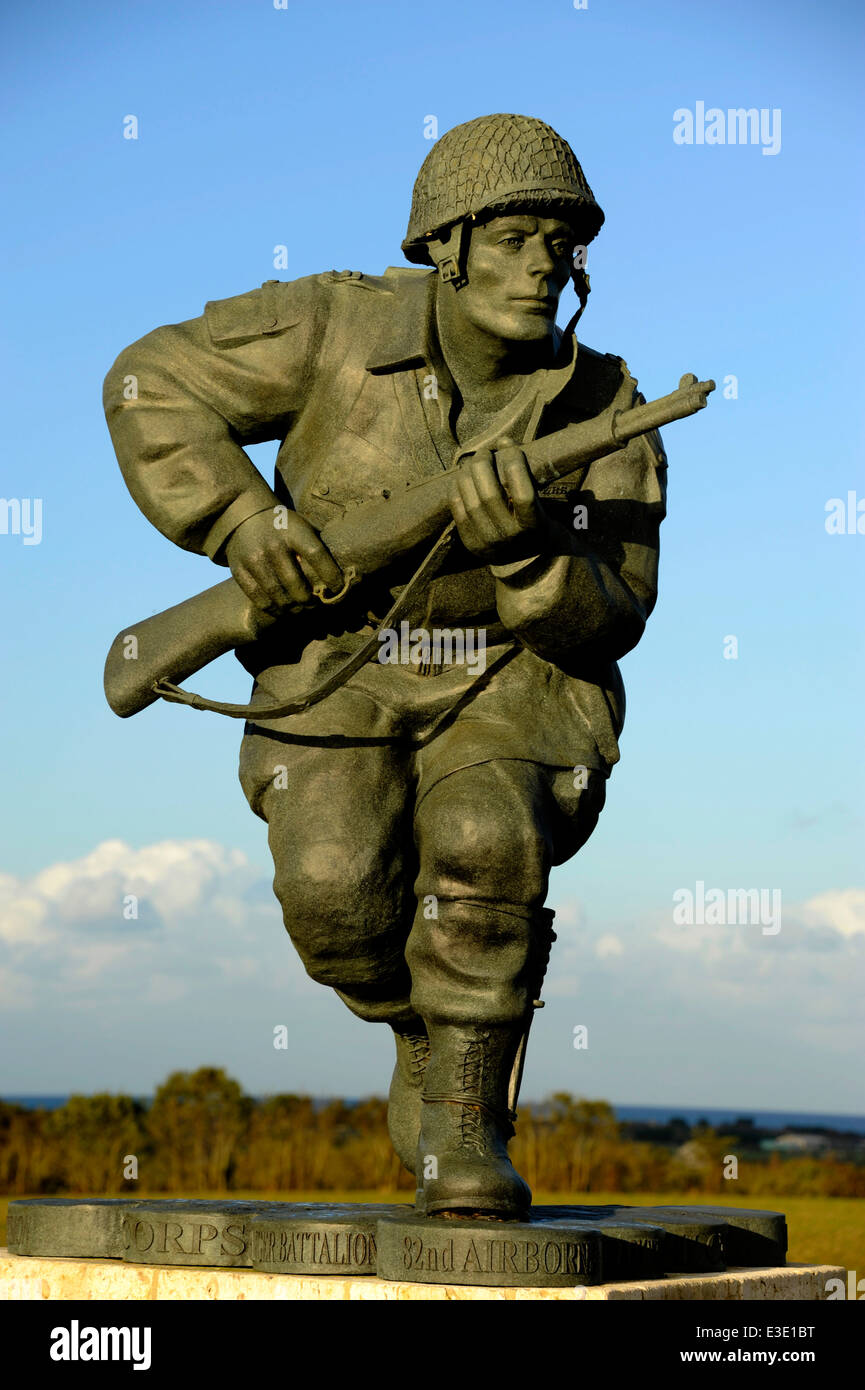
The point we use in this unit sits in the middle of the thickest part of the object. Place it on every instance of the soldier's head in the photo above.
(499, 207)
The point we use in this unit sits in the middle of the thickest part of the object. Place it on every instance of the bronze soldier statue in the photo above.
(415, 813)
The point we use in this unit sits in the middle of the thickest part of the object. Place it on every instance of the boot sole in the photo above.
(468, 1213)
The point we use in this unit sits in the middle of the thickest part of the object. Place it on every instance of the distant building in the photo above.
(797, 1143)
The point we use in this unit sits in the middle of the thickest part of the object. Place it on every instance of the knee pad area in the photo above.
(468, 850)
(345, 939)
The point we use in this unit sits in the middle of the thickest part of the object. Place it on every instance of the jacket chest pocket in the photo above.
(355, 470)
(353, 450)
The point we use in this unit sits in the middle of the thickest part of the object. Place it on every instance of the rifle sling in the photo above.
(176, 695)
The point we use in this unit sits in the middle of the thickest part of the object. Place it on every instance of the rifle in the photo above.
(148, 660)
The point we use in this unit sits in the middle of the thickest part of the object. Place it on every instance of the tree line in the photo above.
(202, 1133)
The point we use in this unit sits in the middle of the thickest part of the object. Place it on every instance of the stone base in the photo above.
(34, 1278)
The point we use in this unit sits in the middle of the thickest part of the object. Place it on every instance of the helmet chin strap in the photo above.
(452, 265)
(580, 281)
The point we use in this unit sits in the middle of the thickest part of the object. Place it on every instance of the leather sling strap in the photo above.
(176, 695)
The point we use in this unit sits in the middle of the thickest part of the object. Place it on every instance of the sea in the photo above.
(652, 1114)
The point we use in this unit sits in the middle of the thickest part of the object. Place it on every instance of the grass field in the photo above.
(823, 1230)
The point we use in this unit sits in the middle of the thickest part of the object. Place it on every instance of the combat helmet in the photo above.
(490, 162)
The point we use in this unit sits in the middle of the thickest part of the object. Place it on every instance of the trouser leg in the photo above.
(339, 823)
(478, 950)
(339, 828)
(487, 837)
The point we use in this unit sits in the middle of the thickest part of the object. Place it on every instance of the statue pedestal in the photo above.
(177, 1248)
(24, 1277)
(552, 1247)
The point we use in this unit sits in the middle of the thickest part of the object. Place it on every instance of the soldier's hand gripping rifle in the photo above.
(148, 659)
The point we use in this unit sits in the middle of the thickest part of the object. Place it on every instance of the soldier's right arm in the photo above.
(182, 401)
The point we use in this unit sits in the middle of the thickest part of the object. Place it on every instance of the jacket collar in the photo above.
(405, 341)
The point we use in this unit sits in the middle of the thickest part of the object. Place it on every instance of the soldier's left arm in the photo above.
(588, 595)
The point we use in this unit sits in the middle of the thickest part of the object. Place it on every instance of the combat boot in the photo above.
(406, 1088)
(462, 1163)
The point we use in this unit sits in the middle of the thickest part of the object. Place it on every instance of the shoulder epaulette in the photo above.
(329, 276)
(407, 272)
(356, 279)
(259, 313)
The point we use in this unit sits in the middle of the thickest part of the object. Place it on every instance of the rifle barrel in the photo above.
(690, 396)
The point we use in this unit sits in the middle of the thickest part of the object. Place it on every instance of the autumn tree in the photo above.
(91, 1137)
(198, 1122)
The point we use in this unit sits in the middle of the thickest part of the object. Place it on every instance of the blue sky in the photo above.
(305, 127)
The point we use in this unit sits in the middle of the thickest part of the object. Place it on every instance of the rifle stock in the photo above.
(173, 645)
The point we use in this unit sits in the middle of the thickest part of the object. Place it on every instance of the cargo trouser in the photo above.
(412, 871)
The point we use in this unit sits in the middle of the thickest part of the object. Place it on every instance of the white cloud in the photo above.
(207, 970)
(205, 919)
(607, 946)
(843, 909)
(87, 960)
(570, 914)
(23, 916)
(171, 880)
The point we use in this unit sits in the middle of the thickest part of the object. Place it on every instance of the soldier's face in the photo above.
(517, 268)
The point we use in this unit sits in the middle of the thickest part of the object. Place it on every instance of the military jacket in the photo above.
(345, 371)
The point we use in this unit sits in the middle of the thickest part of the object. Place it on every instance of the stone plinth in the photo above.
(32, 1277)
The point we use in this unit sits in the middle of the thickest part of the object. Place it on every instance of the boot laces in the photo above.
(419, 1050)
